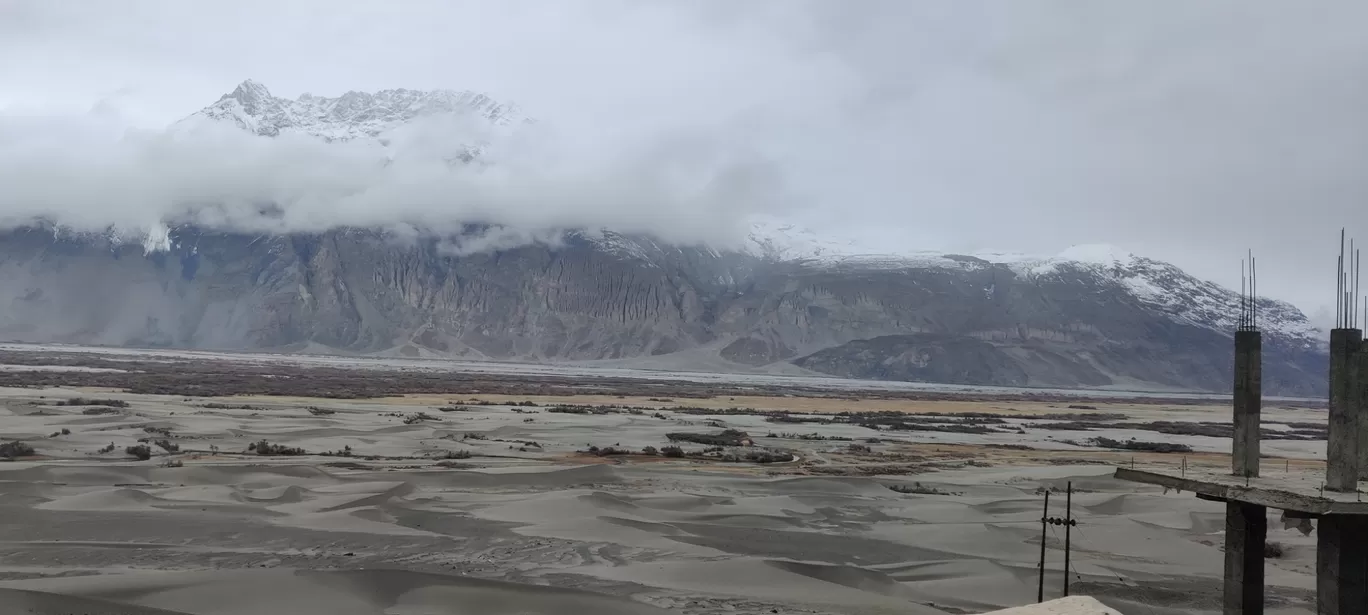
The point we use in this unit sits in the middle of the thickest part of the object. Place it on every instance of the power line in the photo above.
(1119, 578)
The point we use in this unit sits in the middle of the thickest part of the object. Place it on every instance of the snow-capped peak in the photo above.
(1156, 284)
(1097, 253)
(252, 107)
(775, 239)
(249, 93)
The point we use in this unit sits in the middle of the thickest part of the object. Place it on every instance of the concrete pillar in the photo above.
(1244, 457)
(1361, 383)
(1246, 530)
(1342, 450)
(1341, 565)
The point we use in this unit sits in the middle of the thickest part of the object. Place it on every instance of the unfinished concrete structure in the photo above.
(1335, 503)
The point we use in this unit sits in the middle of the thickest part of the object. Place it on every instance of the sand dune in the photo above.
(515, 528)
(307, 593)
(26, 602)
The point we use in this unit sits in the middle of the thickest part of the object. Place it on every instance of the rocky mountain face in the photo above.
(349, 290)
(1088, 318)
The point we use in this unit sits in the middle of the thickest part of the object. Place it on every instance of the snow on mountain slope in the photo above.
(355, 115)
(1159, 285)
(777, 240)
(252, 107)
(1171, 290)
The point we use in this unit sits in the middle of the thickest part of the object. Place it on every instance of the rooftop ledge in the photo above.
(1073, 605)
(1291, 492)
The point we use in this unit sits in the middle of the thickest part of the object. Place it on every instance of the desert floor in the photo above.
(522, 503)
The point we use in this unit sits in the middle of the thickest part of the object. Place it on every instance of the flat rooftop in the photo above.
(1300, 492)
(1073, 605)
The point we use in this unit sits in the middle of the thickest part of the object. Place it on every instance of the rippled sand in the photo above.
(542, 528)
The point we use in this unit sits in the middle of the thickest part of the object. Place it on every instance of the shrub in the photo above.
(1133, 445)
(141, 451)
(455, 455)
(81, 401)
(11, 450)
(419, 417)
(649, 450)
(161, 431)
(763, 456)
(266, 448)
(95, 411)
(920, 489)
(1273, 550)
(107, 449)
(475, 436)
(316, 411)
(218, 406)
(454, 409)
(858, 449)
(168, 446)
(672, 451)
(608, 451)
(728, 437)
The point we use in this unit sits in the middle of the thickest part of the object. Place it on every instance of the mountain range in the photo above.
(787, 301)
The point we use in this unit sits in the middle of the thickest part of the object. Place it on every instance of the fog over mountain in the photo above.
(1182, 133)
(215, 173)
(380, 268)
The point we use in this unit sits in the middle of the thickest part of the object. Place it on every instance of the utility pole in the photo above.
(1068, 531)
(1044, 521)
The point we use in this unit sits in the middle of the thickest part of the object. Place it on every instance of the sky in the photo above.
(1184, 131)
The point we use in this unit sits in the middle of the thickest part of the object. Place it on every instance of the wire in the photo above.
(1122, 580)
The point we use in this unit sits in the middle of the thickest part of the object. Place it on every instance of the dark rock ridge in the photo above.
(613, 297)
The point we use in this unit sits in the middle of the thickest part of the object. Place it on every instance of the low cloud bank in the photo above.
(88, 173)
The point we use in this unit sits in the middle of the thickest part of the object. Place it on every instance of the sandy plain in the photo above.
(493, 503)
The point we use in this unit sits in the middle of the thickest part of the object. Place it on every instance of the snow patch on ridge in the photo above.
(157, 239)
(353, 115)
(1155, 284)
(1099, 254)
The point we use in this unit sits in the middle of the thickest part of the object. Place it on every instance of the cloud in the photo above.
(1179, 130)
(86, 173)
(672, 144)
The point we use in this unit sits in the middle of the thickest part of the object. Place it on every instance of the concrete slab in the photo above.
(1301, 493)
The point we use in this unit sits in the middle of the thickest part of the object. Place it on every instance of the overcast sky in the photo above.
(1186, 131)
